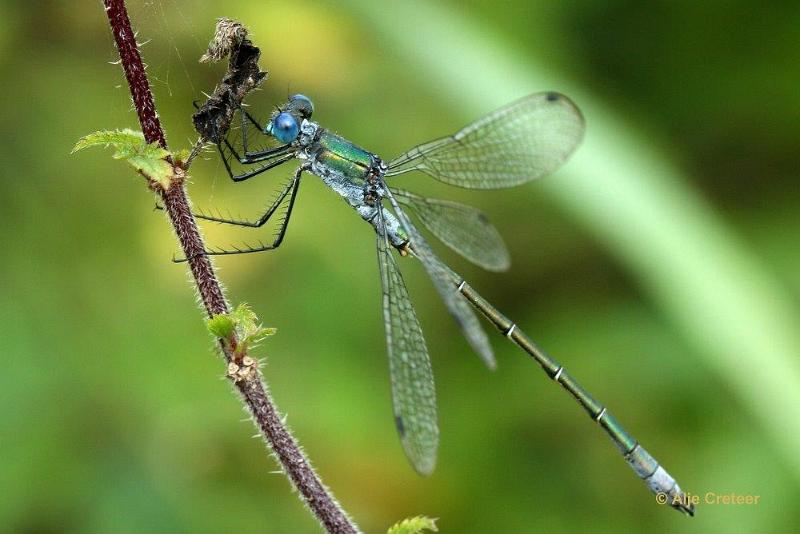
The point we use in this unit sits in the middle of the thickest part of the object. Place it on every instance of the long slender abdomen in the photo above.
(660, 482)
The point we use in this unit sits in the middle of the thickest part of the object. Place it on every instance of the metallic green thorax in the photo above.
(343, 157)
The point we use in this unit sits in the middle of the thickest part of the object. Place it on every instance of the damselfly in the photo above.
(522, 141)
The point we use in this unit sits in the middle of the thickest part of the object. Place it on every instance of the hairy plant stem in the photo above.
(249, 385)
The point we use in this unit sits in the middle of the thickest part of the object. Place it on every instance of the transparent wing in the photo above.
(522, 141)
(439, 273)
(462, 228)
(413, 393)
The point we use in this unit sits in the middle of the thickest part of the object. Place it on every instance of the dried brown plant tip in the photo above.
(213, 119)
(228, 35)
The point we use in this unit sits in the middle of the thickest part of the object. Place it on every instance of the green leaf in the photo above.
(119, 138)
(244, 317)
(258, 334)
(253, 338)
(181, 155)
(248, 329)
(147, 158)
(414, 525)
(244, 322)
(221, 325)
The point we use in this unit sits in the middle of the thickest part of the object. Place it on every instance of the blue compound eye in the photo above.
(284, 127)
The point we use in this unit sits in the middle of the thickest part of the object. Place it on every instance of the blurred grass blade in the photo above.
(633, 199)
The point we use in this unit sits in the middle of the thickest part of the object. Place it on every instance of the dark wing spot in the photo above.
(482, 218)
(398, 422)
(552, 97)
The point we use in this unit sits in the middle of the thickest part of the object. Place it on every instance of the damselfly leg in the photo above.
(286, 197)
(277, 159)
(291, 188)
(251, 131)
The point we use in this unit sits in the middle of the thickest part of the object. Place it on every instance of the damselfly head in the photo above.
(285, 122)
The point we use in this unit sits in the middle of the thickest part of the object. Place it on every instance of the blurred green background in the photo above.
(661, 266)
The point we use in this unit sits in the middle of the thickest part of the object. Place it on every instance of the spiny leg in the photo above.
(278, 159)
(248, 157)
(253, 157)
(278, 154)
(292, 193)
(290, 186)
(242, 177)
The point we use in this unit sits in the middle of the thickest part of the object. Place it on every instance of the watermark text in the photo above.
(709, 497)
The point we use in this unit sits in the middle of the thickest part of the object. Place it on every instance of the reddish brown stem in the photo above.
(251, 388)
(134, 71)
